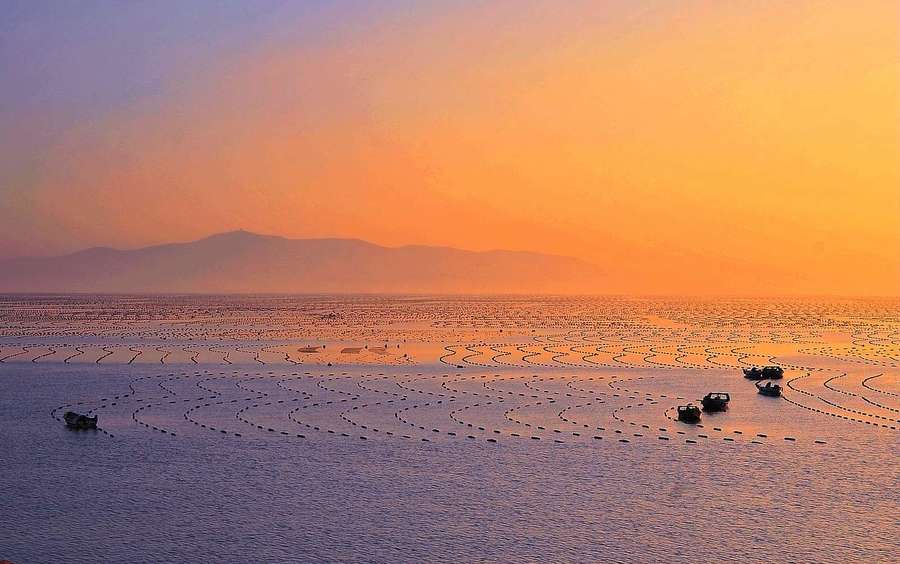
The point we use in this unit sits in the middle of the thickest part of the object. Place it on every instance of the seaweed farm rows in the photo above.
(489, 369)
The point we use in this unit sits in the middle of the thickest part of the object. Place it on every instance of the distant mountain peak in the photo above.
(237, 234)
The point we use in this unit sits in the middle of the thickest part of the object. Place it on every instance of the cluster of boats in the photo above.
(718, 401)
(764, 373)
(770, 389)
(713, 401)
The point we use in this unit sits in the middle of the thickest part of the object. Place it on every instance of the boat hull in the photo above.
(79, 422)
(715, 406)
(715, 401)
(753, 374)
(689, 414)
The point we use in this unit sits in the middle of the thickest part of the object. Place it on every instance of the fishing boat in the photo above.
(77, 421)
(689, 413)
(715, 401)
(769, 389)
(773, 372)
(753, 373)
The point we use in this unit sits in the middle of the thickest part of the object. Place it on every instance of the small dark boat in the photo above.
(769, 389)
(78, 421)
(773, 372)
(715, 401)
(689, 413)
(753, 373)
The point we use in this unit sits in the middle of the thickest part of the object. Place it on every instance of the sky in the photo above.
(683, 147)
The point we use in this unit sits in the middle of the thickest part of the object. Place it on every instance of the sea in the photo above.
(447, 429)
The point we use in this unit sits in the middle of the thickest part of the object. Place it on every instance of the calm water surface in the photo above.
(404, 429)
(86, 497)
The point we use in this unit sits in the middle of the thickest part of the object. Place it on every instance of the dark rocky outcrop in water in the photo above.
(243, 262)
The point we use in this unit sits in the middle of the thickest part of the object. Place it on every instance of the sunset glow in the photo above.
(690, 147)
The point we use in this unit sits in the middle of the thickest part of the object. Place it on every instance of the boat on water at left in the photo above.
(78, 421)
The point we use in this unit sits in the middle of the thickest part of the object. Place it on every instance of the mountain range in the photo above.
(245, 262)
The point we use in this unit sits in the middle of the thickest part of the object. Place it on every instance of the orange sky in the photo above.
(690, 147)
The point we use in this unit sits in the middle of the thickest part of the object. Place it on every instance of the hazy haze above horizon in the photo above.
(692, 147)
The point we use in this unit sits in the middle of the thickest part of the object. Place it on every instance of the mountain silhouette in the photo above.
(244, 262)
